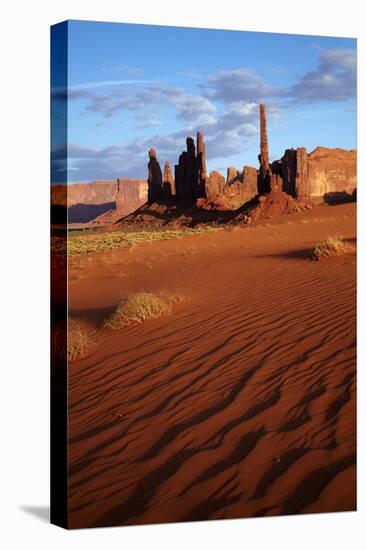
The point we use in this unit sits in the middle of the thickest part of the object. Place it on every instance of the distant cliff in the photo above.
(332, 171)
(87, 201)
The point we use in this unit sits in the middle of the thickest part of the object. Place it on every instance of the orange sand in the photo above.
(242, 402)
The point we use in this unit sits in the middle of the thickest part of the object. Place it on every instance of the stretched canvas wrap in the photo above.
(203, 252)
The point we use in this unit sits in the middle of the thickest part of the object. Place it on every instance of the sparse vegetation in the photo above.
(140, 307)
(332, 246)
(71, 343)
(107, 240)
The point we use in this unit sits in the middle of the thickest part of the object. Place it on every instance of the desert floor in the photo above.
(241, 402)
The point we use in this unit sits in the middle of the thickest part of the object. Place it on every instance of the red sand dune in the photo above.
(242, 402)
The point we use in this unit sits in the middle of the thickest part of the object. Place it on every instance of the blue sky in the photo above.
(133, 87)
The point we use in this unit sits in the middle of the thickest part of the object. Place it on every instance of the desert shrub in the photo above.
(110, 240)
(140, 307)
(332, 246)
(71, 341)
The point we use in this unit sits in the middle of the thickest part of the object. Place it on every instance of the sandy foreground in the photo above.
(242, 402)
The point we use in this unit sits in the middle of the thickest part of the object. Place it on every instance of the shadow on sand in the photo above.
(93, 316)
(303, 253)
(340, 197)
(168, 211)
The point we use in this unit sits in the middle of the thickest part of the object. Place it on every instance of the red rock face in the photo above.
(232, 176)
(275, 182)
(250, 182)
(215, 184)
(95, 192)
(318, 174)
(241, 185)
(131, 194)
(168, 181)
(331, 171)
(87, 201)
(302, 181)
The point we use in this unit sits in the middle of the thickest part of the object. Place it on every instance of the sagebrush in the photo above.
(140, 307)
(71, 341)
(332, 246)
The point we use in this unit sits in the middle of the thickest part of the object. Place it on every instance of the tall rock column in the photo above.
(155, 178)
(264, 169)
(201, 166)
(191, 172)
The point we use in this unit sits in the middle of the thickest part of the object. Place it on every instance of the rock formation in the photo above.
(130, 195)
(180, 176)
(250, 182)
(201, 165)
(264, 168)
(241, 185)
(331, 171)
(275, 182)
(168, 181)
(314, 175)
(232, 176)
(155, 178)
(191, 181)
(190, 172)
(215, 184)
(301, 181)
(274, 203)
(287, 169)
(298, 174)
(87, 201)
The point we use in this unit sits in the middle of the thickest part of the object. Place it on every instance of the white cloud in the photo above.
(189, 107)
(237, 85)
(333, 80)
(147, 120)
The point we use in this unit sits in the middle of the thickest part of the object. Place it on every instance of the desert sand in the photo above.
(240, 403)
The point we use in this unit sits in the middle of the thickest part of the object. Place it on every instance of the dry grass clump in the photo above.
(140, 307)
(108, 240)
(332, 246)
(72, 342)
